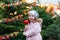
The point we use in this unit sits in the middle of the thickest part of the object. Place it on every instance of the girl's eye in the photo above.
(31, 16)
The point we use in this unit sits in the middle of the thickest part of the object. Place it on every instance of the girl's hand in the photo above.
(25, 29)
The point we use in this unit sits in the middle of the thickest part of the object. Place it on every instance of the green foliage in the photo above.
(1, 13)
(52, 32)
(50, 29)
(47, 18)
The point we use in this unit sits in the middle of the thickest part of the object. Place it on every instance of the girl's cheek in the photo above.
(31, 18)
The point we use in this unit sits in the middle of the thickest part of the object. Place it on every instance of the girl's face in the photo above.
(31, 17)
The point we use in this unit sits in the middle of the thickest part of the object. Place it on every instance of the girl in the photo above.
(33, 29)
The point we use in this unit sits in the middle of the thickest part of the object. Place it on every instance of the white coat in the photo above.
(32, 31)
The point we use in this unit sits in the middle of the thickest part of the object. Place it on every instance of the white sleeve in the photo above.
(36, 29)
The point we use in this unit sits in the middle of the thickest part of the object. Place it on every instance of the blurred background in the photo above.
(14, 16)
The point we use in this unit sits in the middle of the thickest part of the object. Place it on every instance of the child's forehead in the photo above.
(30, 15)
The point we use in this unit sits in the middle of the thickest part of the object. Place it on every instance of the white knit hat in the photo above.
(34, 13)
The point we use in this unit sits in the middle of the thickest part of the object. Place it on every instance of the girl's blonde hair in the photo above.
(39, 20)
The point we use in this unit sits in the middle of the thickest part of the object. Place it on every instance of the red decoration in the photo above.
(12, 19)
(0, 37)
(26, 22)
(7, 36)
(21, 15)
(7, 20)
(3, 37)
(4, 5)
(8, 5)
(34, 4)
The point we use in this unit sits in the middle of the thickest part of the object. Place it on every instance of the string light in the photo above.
(30, 1)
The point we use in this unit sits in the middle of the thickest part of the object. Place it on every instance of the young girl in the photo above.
(33, 29)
